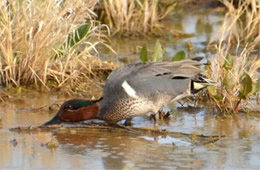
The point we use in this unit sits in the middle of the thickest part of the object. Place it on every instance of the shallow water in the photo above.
(203, 26)
(114, 148)
(238, 138)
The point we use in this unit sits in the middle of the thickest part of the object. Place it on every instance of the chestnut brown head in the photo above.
(74, 111)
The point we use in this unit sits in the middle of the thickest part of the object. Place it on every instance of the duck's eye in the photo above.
(68, 106)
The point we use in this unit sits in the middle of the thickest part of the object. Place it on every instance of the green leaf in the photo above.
(143, 54)
(228, 62)
(246, 86)
(218, 97)
(179, 56)
(256, 86)
(157, 52)
(73, 38)
(228, 82)
(78, 34)
(212, 90)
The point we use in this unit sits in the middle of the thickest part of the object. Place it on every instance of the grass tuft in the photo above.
(235, 67)
(45, 43)
(136, 17)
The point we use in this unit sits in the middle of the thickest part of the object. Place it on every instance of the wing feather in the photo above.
(144, 77)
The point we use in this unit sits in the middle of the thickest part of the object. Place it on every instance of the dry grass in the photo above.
(243, 21)
(33, 32)
(136, 17)
(236, 65)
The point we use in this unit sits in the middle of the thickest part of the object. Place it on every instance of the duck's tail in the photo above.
(200, 82)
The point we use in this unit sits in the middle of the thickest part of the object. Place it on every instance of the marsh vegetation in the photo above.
(54, 50)
(49, 44)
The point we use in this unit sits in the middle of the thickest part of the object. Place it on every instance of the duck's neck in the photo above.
(81, 114)
(90, 112)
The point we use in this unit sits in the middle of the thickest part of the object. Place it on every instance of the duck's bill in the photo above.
(54, 121)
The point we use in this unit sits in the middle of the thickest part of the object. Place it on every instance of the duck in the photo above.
(136, 89)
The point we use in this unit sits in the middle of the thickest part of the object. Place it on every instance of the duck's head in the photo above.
(74, 111)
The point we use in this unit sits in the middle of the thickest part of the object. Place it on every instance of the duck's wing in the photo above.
(168, 79)
(186, 68)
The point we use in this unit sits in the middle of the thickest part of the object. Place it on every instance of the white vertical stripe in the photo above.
(128, 89)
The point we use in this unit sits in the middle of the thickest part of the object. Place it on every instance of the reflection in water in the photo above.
(168, 140)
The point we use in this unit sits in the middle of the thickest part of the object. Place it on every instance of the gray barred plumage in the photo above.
(136, 89)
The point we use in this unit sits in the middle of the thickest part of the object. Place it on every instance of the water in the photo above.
(237, 145)
(202, 27)
(115, 148)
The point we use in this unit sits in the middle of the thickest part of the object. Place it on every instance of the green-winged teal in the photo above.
(136, 89)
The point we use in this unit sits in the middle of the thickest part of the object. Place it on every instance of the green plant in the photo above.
(75, 37)
(157, 54)
(235, 77)
(181, 55)
(235, 65)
